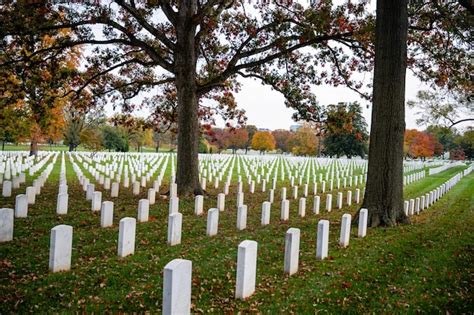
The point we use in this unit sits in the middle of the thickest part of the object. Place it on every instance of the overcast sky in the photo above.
(266, 108)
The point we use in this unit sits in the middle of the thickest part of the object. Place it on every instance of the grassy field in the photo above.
(422, 267)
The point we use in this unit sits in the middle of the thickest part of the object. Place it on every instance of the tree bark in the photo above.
(384, 190)
(188, 133)
(71, 147)
(34, 147)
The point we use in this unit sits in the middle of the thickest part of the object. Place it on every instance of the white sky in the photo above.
(266, 108)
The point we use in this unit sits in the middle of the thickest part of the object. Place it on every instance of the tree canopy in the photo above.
(345, 130)
(263, 141)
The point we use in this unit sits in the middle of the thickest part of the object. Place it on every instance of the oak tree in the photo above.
(263, 141)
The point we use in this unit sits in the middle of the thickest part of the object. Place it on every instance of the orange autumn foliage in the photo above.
(418, 144)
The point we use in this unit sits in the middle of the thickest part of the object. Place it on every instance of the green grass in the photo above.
(423, 267)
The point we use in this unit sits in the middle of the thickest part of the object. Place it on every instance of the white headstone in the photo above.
(16, 182)
(63, 188)
(174, 205)
(90, 191)
(317, 202)
(62, 204)
(240, 199)
(329, 202)
(60, 248)
(6, 224)
(96, 200)
(362, 230)
(177, 279)
(302, 207)
(292, 250)
(198, 204)
(345, 230)
(339, 200)
(252, 187)
(21, 206)
(242, 217)
(175, 222)
(266, 213)
(31, 195)
(143, 210)
(295, 192)
(246, 269)
(126, 241)
(271, 195)
(285, 210)
(212, 221)
(107, 183)
(136, 188)
(151, 196)
(106, 214)
(7, 188)
(221, 202)
(114, 192)
(322, 239)
(174, 190)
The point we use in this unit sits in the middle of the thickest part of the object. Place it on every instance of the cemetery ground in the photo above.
(422, 267)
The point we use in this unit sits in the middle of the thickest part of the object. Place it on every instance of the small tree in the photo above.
(345, 130)
(235, 139)
(263, 141)
(91, 138)
(304, 142)
(115, 138)
(281, 139)
(444, 135)
(251, 130)
(466, 143)
(418, 144)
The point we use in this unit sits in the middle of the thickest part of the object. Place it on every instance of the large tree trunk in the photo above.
(188, 123)
(384, 190)
(34, 147)
(71, 147)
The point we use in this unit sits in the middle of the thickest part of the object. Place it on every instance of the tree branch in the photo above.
(341, 74)
(460, 121)
(233, 69)
(150, 28)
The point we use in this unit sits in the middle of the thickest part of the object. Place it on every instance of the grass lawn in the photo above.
(422, 267)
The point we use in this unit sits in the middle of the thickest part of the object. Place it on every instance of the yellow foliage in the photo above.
(148, 139)
(304, 142)
(263, 141)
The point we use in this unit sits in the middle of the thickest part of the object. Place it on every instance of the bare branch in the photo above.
(143, 22)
